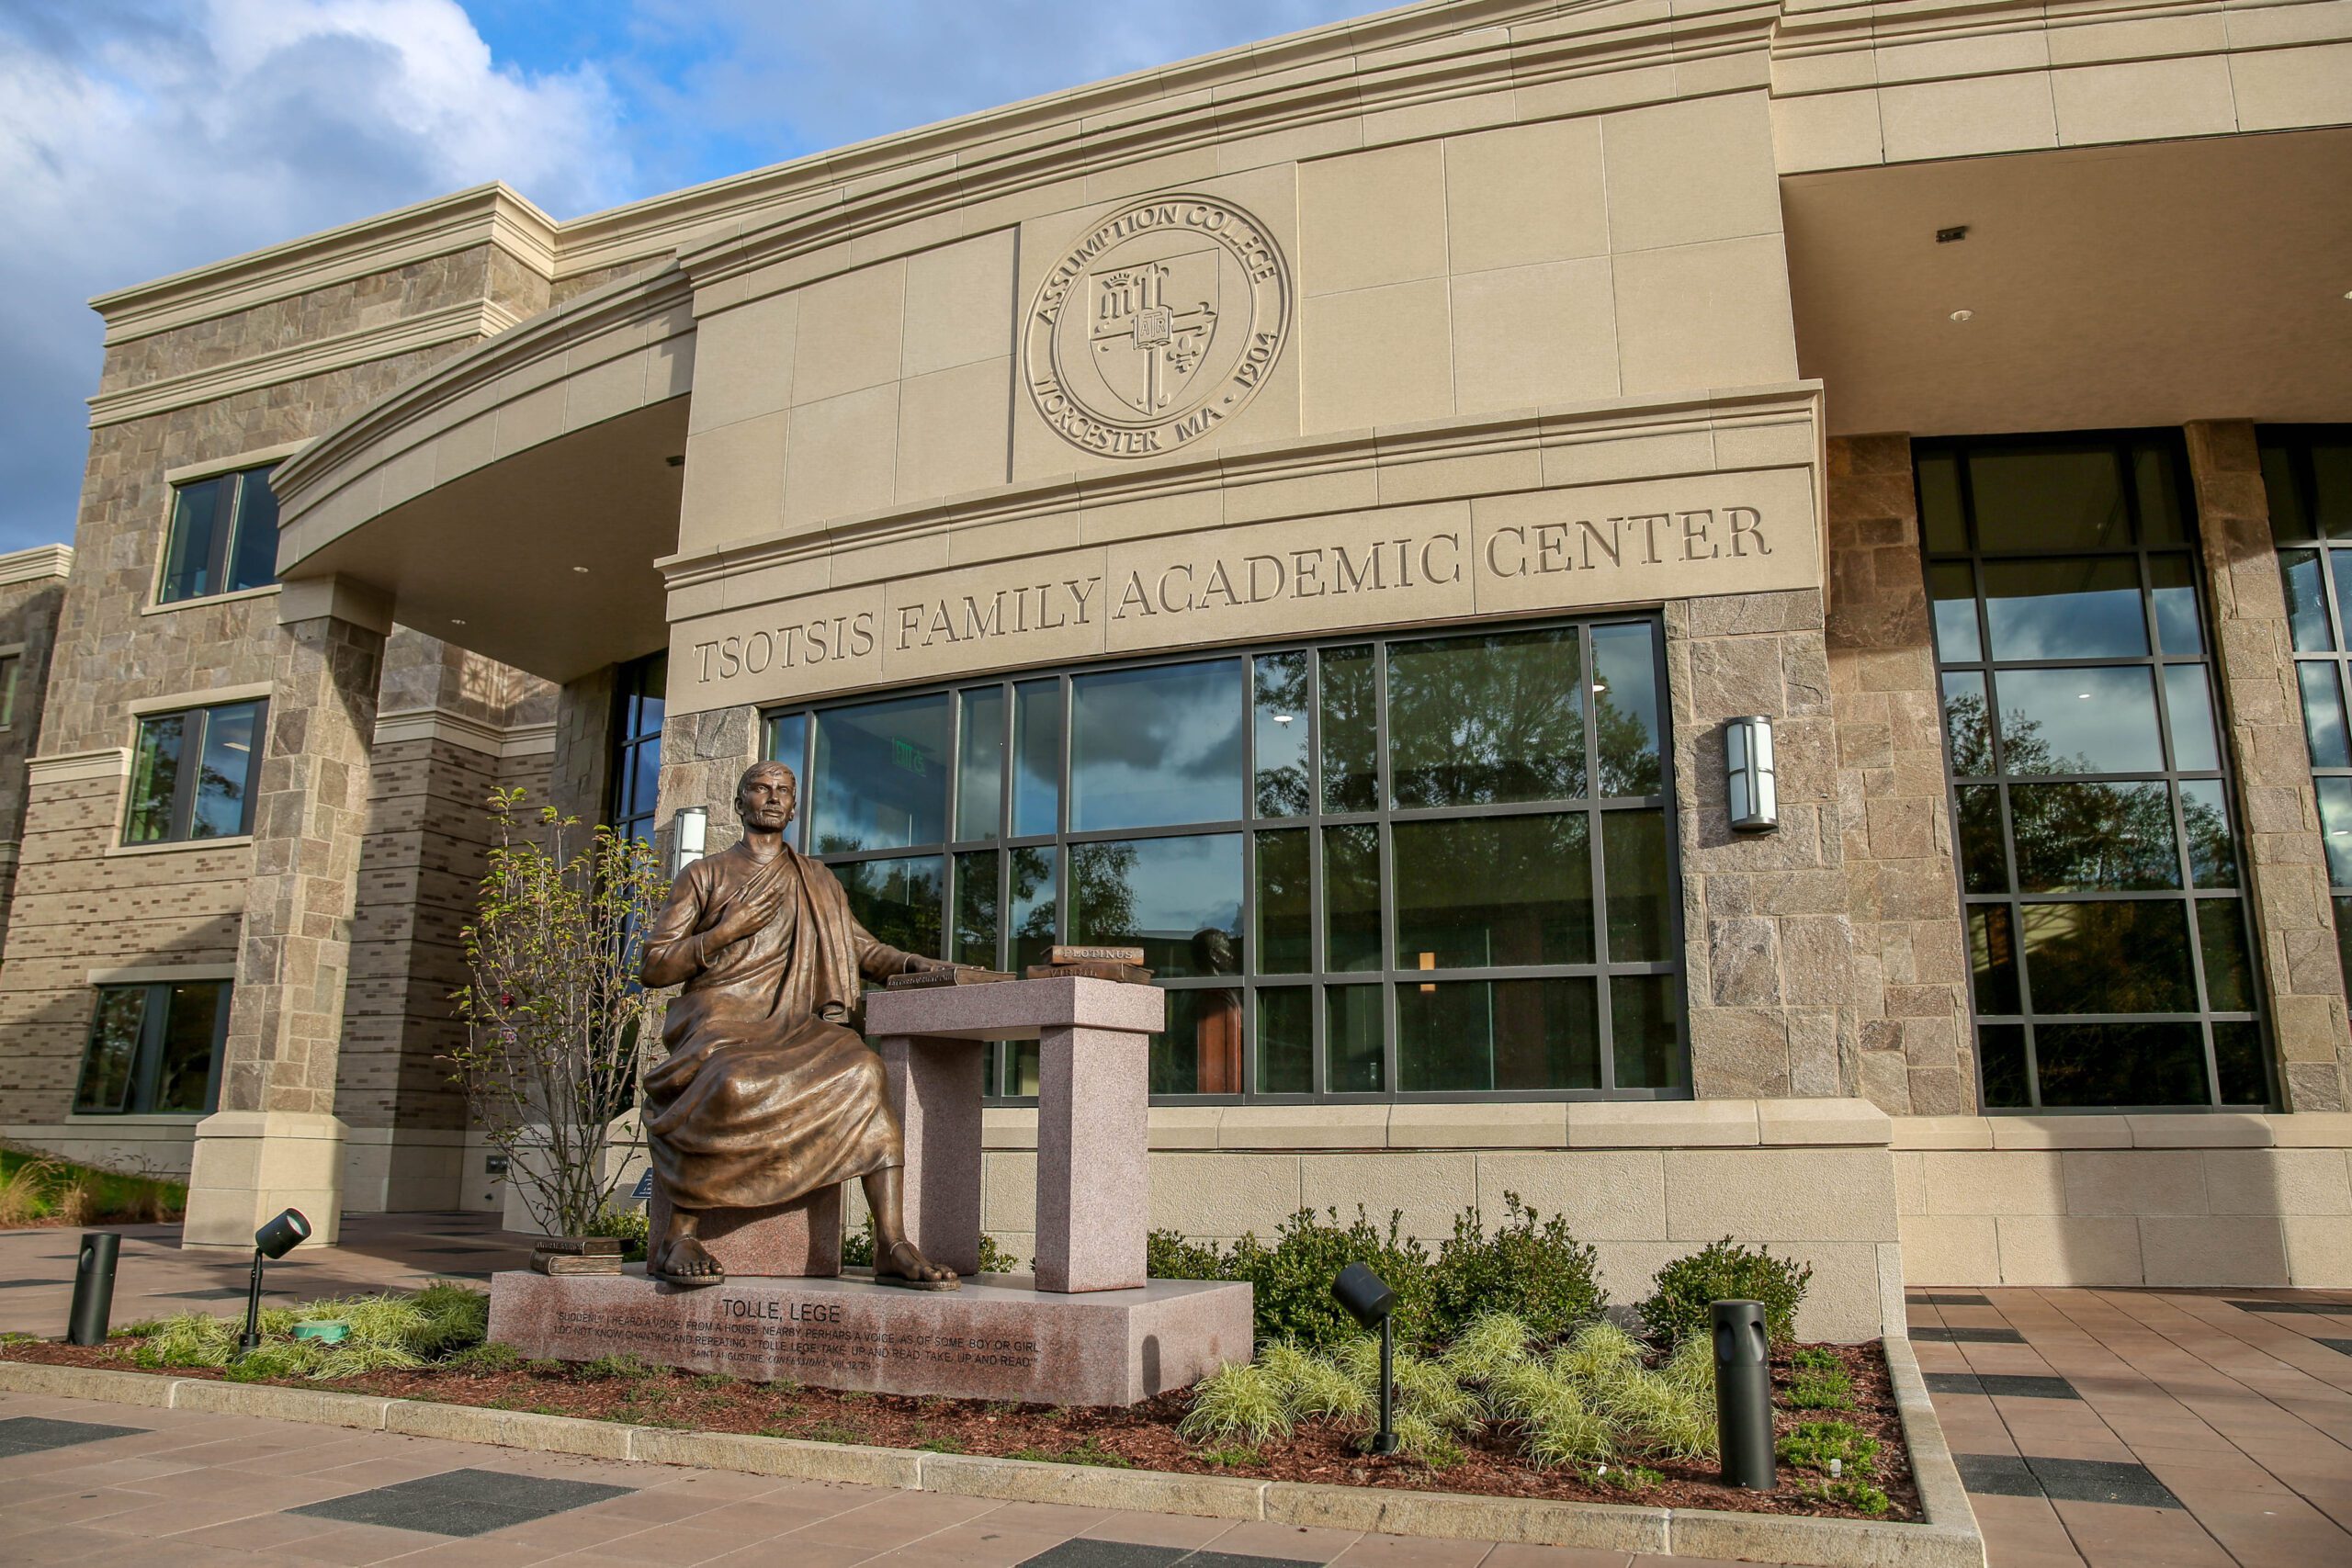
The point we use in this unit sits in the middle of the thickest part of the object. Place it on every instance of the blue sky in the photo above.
(140, 137)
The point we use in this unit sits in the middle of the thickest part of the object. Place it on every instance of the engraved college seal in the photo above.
(1158, 325)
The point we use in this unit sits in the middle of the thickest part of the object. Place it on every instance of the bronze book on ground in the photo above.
(1125, 974)
(1066, 954)
(575, 1263)
(579, 1245)
(924, 979)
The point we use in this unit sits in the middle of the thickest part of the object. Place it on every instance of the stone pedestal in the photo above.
(796, 1240)
(1093, 1188)
(993, 1339)
(250, 1166)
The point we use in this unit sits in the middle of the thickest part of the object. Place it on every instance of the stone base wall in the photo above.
(2169, 1200)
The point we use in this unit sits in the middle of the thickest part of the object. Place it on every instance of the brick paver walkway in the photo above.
(2130, 1428)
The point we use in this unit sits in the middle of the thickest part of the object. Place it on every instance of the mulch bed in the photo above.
(1142, 1436)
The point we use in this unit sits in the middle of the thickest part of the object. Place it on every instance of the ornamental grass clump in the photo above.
(382, 1333)
(1239, 1403)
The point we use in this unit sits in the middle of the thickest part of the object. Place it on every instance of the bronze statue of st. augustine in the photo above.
(766, 1094)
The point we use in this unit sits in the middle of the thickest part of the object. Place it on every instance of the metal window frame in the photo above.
(181, 817)
(147, 1056)
(628, 738)
(1987, 667)
(1319, 980)
(221, 548)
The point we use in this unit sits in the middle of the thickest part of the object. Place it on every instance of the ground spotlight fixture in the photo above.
(273, 1241)
(1369, 1301)
(1747, 760)
(689, 831)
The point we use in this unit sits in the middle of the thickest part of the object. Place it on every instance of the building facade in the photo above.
(1322, 512)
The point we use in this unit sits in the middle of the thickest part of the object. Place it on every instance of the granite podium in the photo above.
(768, 1101)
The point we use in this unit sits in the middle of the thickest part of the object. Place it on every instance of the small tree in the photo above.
(554, 1012)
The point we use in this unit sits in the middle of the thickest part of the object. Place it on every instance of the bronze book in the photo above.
(1125, 974)
(924, 979)
(1065, 955)
(574, 1263)
(579, 1245)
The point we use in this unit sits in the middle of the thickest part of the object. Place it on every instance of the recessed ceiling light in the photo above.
(1963, 315)
(457, 620)
(580, 570)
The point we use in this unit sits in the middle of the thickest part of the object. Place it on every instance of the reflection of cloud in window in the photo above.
(1157, 746)
(2072, 721)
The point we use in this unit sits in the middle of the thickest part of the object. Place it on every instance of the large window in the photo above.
(191, 772)
(2307, 471)
(223, 538)
(2098, 867)
(1429, 867)
(637, 744)
(154, 1048)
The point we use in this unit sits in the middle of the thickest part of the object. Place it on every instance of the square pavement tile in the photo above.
(2064, 1480)
(1949, 1298)
(462, 1502)
(1089, 1554)
(2016, 1385)
(1968, 1336)
(22, 1435)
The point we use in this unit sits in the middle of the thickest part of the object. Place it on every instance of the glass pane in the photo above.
(113, 1049)
(649, 684)
(2238, 1053)
(229, 734)
(1285, 930)
(2284, 496)
(2212, 856)
(2339, 562)
(1155, 747)
(1509, 1035)
(2323, 712)
(1034, 904)
(2180, 626)
(2188, 703)
(1286, 1041)
(190, 1026)
(1966, 732)
(2155, 470)
(881, 775)
(1352, 897)
(1952, 585)
(2336, 827)
(1624, 714)
(1036, 758)
(1351, 781)
(1206, 1024)
(2001, 1049)
(1481, 720)
(1633, 854)
(1279, 731)
(979, 908)
(2121, 1063)
(2097, 721)
(787, 742)
(2332, 485)
(1645, 1031)
(2306, 601)
(898, 901)
(1494, 891)
(1351, 1040)
(1178, 898)
(1020, 1068)
(1992, 959)
(188, 554)
(637, 779)
(1941, 522)
(2069, 608)
(2093, 838)
(2048, 498)
(155, 777)
(979, 764)
(1983, 861)
(2123, 956)
(254, 563)
(2229, 966)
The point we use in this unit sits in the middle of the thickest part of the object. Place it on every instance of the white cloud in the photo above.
(138, 138)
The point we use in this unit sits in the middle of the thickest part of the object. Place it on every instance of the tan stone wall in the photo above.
(1907, 1010)
(28, 615)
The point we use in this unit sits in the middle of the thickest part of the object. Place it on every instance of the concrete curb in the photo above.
(1948, 1538)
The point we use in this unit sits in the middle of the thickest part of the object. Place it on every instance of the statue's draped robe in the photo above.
(766, 1094)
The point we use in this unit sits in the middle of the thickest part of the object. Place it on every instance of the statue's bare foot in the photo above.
(685, 1263)
(901, 1264)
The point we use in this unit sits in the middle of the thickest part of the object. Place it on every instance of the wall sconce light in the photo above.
(688, 830)
(1748, 756)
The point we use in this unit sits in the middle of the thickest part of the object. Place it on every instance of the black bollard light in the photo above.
(1743, 1393)
(1369, 1301)
(273, 1241)
(93, 1289)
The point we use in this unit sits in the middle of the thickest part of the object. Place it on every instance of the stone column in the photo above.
(934, 1084)
(276, 1143)
(2286, 858)
(1093, 1188)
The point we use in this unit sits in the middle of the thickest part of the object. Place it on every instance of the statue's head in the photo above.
(766, 796)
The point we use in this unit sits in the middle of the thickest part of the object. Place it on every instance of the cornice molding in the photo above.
(405, 725)
(461, 323)
(108, 764)
(36, 564)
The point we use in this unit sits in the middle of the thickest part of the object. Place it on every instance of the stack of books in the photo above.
(1123, 964)
(576, 1255)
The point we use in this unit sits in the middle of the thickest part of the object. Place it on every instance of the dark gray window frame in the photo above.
(147, 1065)
(1320, 980)
(226, 544)
(635, 683)
(1986, 666)
(183, 787)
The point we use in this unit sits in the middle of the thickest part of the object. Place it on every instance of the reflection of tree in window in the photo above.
(1480, 720)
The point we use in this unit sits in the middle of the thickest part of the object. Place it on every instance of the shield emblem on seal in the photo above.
(1148, 326)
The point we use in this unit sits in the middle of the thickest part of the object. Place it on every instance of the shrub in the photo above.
(995, 1260)
(1812, 1444)
(1722, 1270)
(1291, 1281)
(1814, 1358)
(1859, 1495)
(1537, 1271)
(627, 1224)
(1168, 1256)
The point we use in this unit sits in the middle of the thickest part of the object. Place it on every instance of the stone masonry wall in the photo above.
(1909, 999)
(28, 615)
